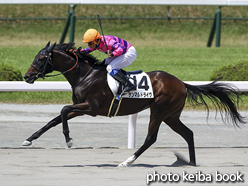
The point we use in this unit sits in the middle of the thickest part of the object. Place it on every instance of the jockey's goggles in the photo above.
(90, 43)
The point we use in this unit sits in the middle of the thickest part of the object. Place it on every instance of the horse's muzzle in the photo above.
(30, 78)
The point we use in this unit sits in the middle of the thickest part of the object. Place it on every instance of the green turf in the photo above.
(177, 46)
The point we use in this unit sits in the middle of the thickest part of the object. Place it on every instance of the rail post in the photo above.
(212, 31)
(69, 23)
(65, 29)
(216, 27)
(72, 23)
(132, 131)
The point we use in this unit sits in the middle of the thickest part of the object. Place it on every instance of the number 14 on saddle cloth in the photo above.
(142, 83)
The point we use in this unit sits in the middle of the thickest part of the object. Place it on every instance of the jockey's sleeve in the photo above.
(117, 45)
(118, 49)
(87, 50)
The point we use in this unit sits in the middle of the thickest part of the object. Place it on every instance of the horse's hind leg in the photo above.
(150, 139)
(175, 124)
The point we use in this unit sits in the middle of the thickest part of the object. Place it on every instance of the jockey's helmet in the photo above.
(91, 35)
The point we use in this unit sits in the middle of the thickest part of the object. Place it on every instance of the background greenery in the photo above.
(9, 73)
(232, 72)
(176, 46)
(142, 33)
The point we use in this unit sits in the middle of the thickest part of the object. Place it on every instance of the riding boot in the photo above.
(119, 76)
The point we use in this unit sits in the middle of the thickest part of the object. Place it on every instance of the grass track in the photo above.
(178, 47)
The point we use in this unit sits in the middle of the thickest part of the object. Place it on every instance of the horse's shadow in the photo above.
(134, 165)
(178, 163)
(181, 161)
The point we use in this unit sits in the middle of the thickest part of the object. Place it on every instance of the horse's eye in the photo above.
(41, 57)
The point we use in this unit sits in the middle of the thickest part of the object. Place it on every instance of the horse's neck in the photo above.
(64, 62)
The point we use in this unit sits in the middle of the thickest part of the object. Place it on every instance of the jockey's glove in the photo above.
(110, 53)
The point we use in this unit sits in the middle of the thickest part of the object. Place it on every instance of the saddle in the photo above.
(116, 102)
(131, 72)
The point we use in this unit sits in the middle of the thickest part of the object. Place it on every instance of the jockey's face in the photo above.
(93, 44)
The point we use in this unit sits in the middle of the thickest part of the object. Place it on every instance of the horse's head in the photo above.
(42, 64)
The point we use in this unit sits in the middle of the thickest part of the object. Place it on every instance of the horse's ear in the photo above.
(50, 49)
(48, 44)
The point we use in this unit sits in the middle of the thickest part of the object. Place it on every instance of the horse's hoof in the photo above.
(123, 164)
(181, 161)
(26, 143)
(70, 143)
(192, 164)
(128, 162)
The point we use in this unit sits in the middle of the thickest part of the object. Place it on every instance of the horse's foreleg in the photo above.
(48, 126)
(64, 114)
(176, 125)
(83, 108)
(37, 134)
(150, 139)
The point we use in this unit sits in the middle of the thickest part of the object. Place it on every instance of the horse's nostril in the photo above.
(26, 77)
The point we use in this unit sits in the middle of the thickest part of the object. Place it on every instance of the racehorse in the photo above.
(91, 95)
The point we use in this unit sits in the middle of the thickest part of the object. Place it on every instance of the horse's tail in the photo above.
(223, 96)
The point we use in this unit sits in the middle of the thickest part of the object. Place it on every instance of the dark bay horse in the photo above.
(92, 96)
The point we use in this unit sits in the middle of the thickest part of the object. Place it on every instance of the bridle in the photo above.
(49, 61)
(42, 71)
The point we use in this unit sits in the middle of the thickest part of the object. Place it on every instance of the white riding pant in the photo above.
(122, 61)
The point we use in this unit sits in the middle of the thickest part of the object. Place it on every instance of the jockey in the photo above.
(120, 54)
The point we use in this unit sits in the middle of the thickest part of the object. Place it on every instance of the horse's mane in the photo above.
(66, 47)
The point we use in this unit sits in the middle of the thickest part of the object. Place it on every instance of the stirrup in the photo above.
(128, 88)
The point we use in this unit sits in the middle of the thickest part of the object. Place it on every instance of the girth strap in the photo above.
(114, 107)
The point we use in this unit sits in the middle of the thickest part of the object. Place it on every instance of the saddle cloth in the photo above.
(141, 81)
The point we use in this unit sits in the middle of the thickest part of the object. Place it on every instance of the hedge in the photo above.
(10, 73)
(233, 72)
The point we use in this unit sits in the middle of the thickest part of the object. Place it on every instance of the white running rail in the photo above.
(6, 86)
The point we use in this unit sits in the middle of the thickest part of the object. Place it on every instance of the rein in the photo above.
(72, 51)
